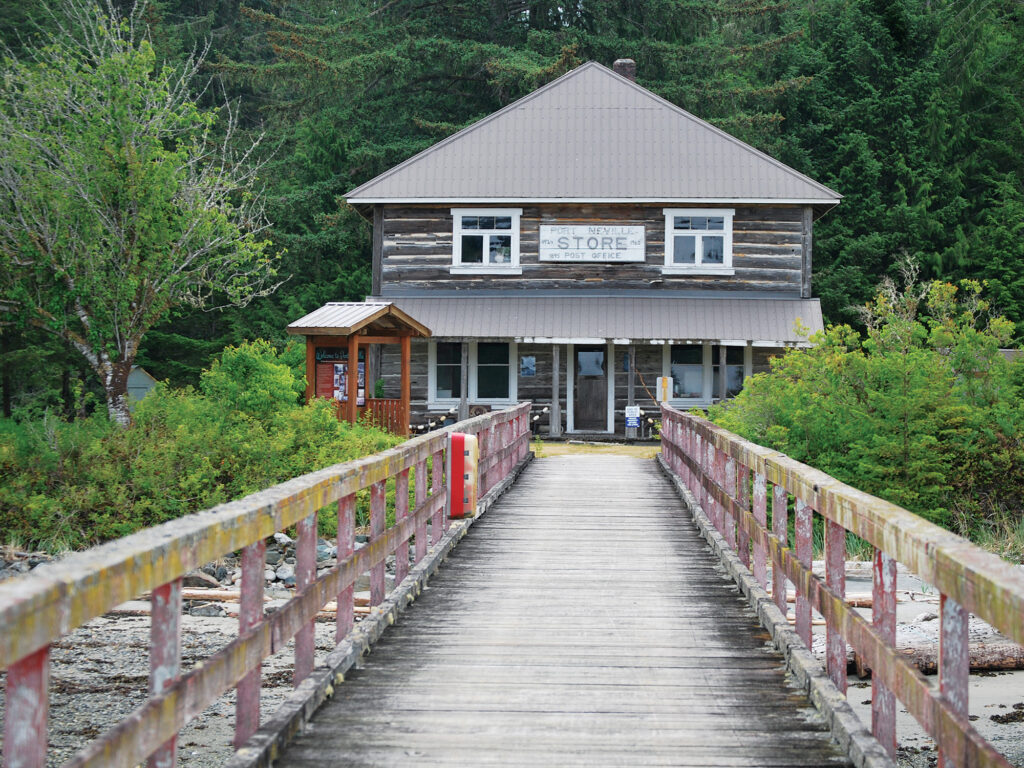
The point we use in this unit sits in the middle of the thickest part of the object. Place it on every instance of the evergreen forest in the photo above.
(912, 109)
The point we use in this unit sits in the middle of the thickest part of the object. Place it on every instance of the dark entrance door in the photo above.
(590, 396)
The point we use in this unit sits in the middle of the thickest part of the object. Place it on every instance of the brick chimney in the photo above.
(626, 68)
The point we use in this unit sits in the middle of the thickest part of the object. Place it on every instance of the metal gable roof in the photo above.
(591, 135)
(764, 322)
(342, 318)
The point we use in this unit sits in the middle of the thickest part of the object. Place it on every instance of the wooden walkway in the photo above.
(581, 622)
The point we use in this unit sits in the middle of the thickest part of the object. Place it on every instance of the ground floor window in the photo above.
(491, 372)
(696, 370)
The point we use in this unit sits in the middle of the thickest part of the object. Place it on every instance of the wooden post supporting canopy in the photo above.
(352, 380)
(406, 382)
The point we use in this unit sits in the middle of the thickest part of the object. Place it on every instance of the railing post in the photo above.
(743, 499)
(420, 496)
(305, 574)
(883, 618)
(27, 706)
(401, 512)
(835, 576)
(761, 516)
(378, 513)
(804, 526)
(780, 527)
(954, 666)
(723, 468)
(436, 485)
(164, 656)
(709, 474)
(250, 613)
(344, 616)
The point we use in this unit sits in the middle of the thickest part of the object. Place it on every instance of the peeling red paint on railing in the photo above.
(38, 609)
(708, 458)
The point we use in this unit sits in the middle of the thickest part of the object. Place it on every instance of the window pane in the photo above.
(501, 249)
(734, 379)
(503, 222)
(713, 251)
(492, 382)
(486, 222)
(734, 355)
(492, 353)
(684, 250)
(472, 249)
(590, 362)
(448, 352)
(469, 222)
(687, 380)
(449, 381)
(681, 222)
(698, 222)
(716, 222)
(692, 354)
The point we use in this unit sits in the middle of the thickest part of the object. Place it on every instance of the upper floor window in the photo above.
(698, 240)
(485, 240)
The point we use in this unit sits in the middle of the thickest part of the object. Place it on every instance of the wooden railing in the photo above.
(38, 609)
(732, 479)
(388, 413)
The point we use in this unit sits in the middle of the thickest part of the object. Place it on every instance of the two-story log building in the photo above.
(578, 244)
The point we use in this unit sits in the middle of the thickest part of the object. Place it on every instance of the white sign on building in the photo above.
(591, 243)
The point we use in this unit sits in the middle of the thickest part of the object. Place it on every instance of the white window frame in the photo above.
(725, 268)
(708, 363)
(435, 403)
(458, 268)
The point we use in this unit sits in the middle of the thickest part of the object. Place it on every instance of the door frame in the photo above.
(570, 386)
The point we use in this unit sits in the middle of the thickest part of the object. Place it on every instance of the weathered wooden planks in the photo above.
(770, 251)
(582, 622)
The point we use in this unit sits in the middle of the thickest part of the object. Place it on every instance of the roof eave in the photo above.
(646, 199)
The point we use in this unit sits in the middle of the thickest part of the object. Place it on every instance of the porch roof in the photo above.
(627, 319)
(342, 318)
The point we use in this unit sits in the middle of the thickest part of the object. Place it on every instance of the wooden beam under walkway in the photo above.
(582, 621)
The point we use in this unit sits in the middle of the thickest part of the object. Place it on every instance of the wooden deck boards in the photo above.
(581, 622)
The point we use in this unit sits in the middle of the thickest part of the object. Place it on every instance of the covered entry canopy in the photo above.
(623, 319)
(334, 334)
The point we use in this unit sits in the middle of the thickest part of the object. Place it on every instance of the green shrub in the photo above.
(923, 411)
(73, 484)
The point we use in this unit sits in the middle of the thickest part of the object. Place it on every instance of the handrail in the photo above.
(716, 466)
(39, 608)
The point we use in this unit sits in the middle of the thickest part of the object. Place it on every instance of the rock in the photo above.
(289, 582)
(221, 573)
(290, 560)
(21, 566)
(282, 539)
(209, 569)
(323, 552)
(926, 616)
(199, 580)
(269, 575)
(361, 539)
(273, 556)
(285, 572)
(208, 609)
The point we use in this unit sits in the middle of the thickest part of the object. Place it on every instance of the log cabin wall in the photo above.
(771, 251)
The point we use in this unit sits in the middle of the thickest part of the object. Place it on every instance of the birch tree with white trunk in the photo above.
(120, 198)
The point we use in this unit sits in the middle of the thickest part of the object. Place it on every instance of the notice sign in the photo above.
(591, 243)
(632, 416)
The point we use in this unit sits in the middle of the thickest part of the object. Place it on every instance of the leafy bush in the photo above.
(73, 484)
(923, 411)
